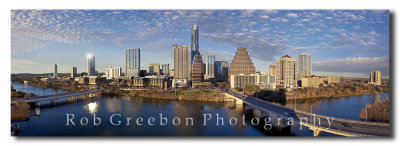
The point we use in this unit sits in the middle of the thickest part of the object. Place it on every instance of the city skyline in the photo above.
(335, 39)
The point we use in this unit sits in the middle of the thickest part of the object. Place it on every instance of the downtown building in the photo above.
(210, 66)
(154, 69)
(91, 66)
(113, 72)
(333, 80)
(311, 81)
(221, 71)
(74, 72)
(262, 80)
(272, 70)
(304, 65)
(182, 66)
(132, 62)
(241, 63)
(197, 70)
(375, 78)
(194, 42)
(286, 72)
(165, 69)
(55, 71)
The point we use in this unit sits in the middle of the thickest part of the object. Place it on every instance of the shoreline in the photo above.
(338, 96)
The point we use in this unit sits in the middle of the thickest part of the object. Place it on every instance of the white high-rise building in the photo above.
(132, 62)
(304, 65)
(113, 72)
(91, 66)
(286, 72)
(182, 65)
(210, 66)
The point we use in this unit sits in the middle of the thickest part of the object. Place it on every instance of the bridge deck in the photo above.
(56, 96)
(337, 126)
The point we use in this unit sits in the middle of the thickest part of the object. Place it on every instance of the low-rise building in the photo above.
(333, 79)
(311, 81)
(261, 80)
(83, 80)
(97, 80)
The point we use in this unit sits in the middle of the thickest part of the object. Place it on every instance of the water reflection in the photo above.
(92, 107)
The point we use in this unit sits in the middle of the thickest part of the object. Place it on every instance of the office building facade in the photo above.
(272, 70)
(165, 69)
(91, 65)
(262, 80)
(241, 63)
(375, 78)
(132, 62)
(182, 62)
(194, 41)
(154, 69)
(74, 72)
(55, 71)
(210, 66)
(113, 72)
(286, 72)
(304, 65)
(221, 71)
(197, 68)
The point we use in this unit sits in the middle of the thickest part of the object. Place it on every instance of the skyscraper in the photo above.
(165, 69)
(132, 62)
(74, 72)
(154, 68)
(304, 65)
(210, 66)
(221, 71)
(272, 70)
(113, 72)
(182, 66)
(375, 78)
(195, 41)
(91, 66)
(241, 63)
(197, 68)
(55, 71)
(286, 71)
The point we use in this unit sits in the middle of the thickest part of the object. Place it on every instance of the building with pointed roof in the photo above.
(241, 63)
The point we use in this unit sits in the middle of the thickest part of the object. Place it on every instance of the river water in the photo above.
(146, 117)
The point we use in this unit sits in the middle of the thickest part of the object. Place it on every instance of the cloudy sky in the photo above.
(342, 42)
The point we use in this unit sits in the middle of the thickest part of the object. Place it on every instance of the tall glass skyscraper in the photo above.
(195, 41)
(91, 65)
(210, 65)
(55, 71)
(304, 65)
(132, 62)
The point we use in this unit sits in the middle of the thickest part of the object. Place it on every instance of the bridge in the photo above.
(316, 123)
(53, 98)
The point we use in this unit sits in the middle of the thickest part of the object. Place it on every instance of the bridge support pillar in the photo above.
(249, 109)
(284, 124)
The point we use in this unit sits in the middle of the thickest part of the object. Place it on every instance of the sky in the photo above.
(347, 43)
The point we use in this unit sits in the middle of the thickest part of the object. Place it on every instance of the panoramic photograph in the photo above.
(201, 73)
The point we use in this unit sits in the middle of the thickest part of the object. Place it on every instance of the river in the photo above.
(56, 120)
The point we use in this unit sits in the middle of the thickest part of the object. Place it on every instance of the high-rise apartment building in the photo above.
(272, 70)
(375, 78)
(241, 63)
(194, 41)
(333, 79)
(182, 59)
(113, 72)
(210, 73)
(154, 69)
(91, 66)
(165, 69)
(55, 71)
(286, 71)
(221, 71)
(74, 72)
(132, 62)
(304, 65)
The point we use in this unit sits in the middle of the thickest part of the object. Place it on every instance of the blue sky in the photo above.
(341, 42)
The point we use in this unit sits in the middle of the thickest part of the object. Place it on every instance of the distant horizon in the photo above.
(337, 42)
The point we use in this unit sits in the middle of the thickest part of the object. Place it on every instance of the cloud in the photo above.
(354, 65)
(257, 46)
(293, 15)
